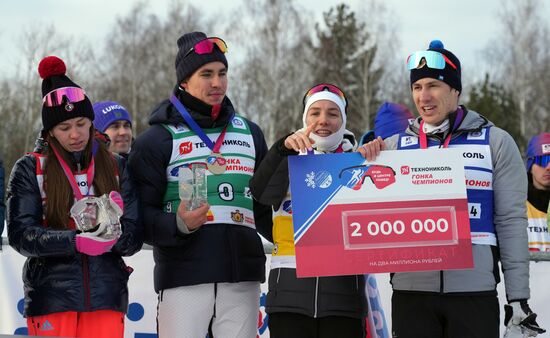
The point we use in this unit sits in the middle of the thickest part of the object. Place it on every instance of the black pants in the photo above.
(425, 315)
(293, 325)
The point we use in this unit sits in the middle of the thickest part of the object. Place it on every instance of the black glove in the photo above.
(520, 321)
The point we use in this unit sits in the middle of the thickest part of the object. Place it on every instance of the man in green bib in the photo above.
(209, 259)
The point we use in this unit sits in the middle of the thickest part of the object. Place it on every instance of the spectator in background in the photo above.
(391, 118)
(538, 191)
(114, 120)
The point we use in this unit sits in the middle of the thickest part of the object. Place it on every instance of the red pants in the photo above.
(96, 324)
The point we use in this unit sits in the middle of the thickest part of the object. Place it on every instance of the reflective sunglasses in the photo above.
(56, 97)
(206, 46)
(542, 160)
(434, 60)
(328, 87)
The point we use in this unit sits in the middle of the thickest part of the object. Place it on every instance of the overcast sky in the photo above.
(465, 26)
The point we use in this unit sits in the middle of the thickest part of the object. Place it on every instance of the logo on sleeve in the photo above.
(477, 135)
(238, 123)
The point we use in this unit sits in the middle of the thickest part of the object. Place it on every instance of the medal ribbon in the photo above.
(424, 138)
(196, 128)
(90, 172)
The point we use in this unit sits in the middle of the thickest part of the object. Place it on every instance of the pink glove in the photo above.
(93, 245)
(115, 197)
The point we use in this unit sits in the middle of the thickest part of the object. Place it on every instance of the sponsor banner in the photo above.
(407, 211)
(140, 320)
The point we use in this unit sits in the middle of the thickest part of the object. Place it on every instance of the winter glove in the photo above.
(93, 245)
(520, 321)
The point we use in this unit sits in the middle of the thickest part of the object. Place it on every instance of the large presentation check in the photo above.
(406, 211)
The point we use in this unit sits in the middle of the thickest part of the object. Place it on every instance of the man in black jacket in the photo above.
(209, 259)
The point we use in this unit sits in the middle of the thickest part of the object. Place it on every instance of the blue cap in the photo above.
(391, 118)
(107, 112)
(539, 145)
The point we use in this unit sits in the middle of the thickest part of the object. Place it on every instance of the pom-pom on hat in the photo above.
(391, 118)
(107, 112)
(188, 62)
(58, 104)
(449, 74)
(539, 145)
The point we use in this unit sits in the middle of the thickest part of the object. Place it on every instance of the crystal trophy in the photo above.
(192, 185)
(185, 183)
(98, 216)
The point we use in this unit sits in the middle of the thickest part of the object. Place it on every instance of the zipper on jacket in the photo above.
(86, 277)
(316, 295)
(278, 274)
(441, 282)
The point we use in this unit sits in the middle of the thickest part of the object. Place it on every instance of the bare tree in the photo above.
(137, 68)
(271, 79)
(523, 53)
(36, 43)
(383, 26)
(12, 140)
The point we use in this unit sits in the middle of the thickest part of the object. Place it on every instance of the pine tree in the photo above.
(497, 104)
(344, 56)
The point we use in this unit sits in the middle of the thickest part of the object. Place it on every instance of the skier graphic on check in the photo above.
(354, 177)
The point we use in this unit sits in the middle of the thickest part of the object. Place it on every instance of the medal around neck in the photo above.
(216, 163)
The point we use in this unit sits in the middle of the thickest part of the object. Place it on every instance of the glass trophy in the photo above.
(98, 216)
(192, 185)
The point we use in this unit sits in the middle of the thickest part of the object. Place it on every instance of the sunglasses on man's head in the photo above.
(542, 160)
(56, 97)
(432, 59)
(206, 46)
(328, 87)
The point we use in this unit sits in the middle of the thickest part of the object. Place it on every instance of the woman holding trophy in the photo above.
(73, 213)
